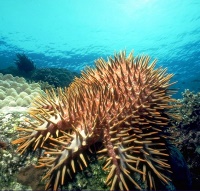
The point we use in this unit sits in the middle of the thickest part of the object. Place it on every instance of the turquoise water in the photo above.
(72, 34)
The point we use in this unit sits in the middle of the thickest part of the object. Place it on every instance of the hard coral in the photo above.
(123, 104)
(58, 77)
(13, 89)
(188, 133)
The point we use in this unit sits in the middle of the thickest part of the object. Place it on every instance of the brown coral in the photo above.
(122, 103)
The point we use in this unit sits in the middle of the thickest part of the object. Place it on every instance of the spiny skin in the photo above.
(123, 103)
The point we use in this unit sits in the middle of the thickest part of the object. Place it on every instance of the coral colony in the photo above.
(24, 64)
(124, 104)
(15, 91)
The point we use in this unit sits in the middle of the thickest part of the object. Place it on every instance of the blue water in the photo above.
(72, 34)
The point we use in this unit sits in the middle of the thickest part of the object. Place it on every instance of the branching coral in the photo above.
(190, 110)
(58, 77)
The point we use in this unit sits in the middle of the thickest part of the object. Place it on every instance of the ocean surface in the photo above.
(72, 34)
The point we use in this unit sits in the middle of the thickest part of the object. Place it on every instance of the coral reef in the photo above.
(15, 91)
(15, 96)
(188, 133)
(10, 161)
(190, 110)
(19, 174)
(90, 178)
(45, 85)
(123, 105)
(56, 77)
(24, 64)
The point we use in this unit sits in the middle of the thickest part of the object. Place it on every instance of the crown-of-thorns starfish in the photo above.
(123, 103)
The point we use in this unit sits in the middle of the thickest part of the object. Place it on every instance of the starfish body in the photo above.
(122, 103)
